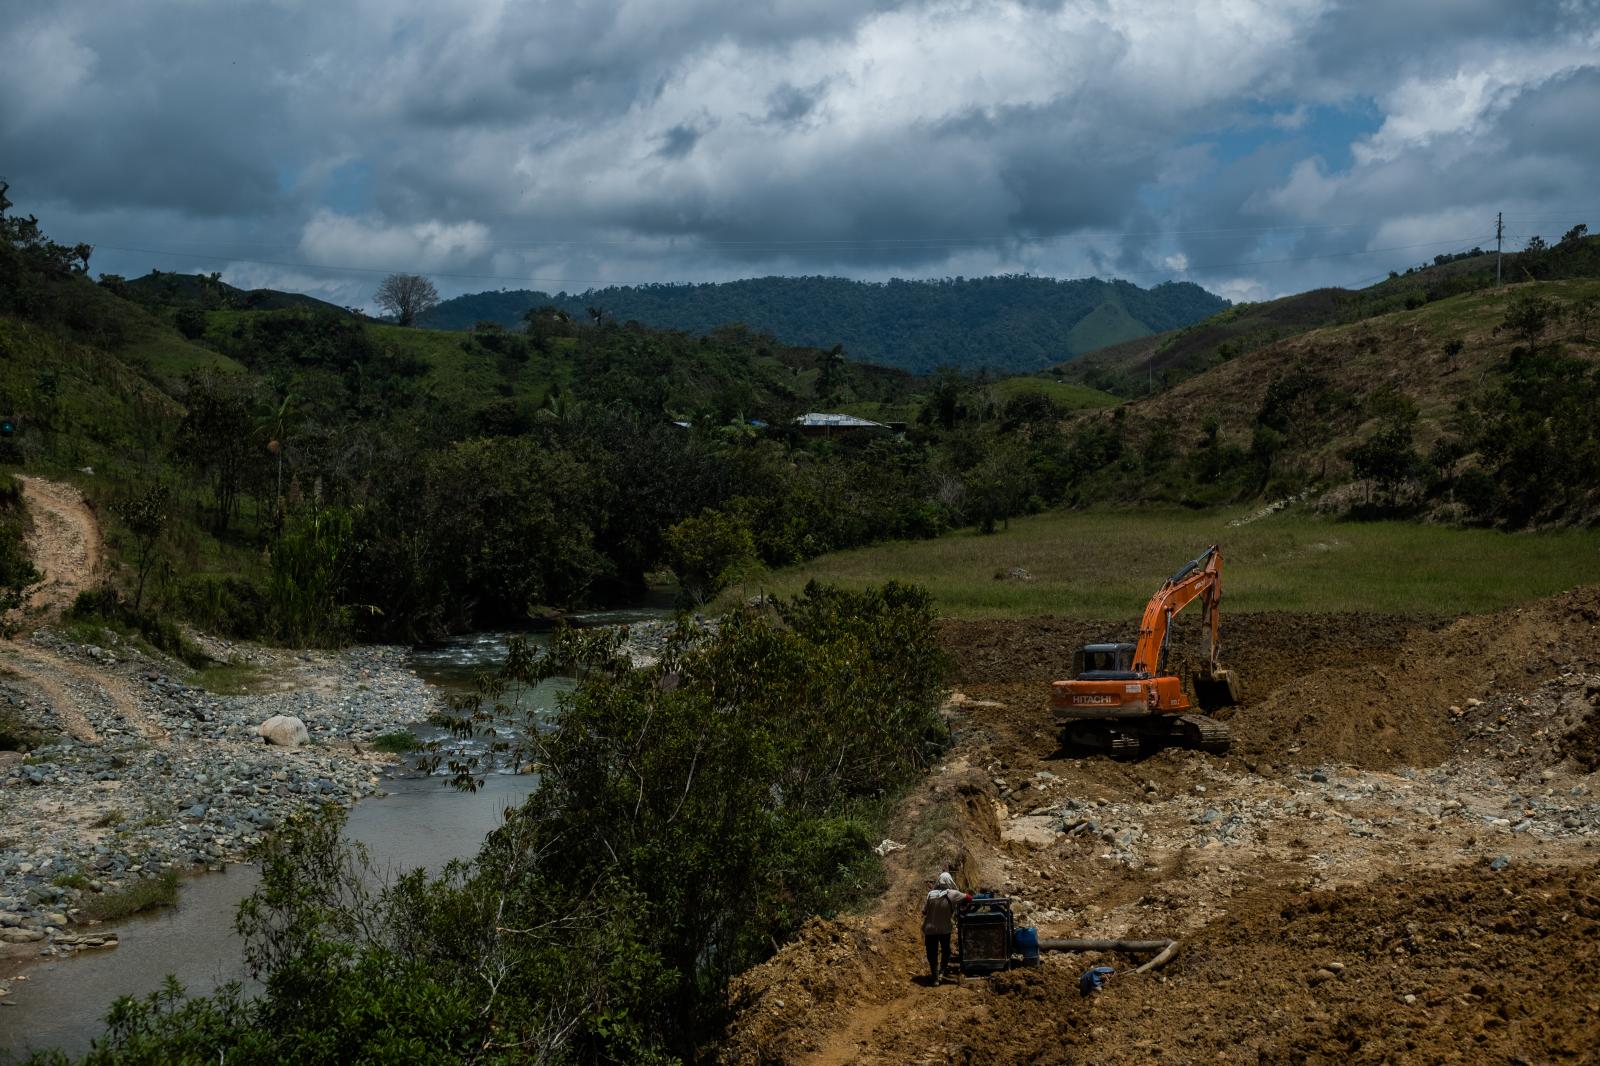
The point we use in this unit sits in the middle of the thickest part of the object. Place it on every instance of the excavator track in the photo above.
(1130, 738)
(1206, 734)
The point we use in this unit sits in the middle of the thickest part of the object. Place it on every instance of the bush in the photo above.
(689, 816)
(230, 605)
(103, 608)
(396, 743)
(142, 895)
(17, 572)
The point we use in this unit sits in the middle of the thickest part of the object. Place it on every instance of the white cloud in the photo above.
(340, 240)
(1465, 101)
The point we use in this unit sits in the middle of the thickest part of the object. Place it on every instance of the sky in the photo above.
(1255, 148)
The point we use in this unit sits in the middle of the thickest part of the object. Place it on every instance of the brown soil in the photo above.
(68, 550)
(65, 543)
(1330, 880)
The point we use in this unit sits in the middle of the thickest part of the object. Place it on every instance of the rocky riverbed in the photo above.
(178, 779)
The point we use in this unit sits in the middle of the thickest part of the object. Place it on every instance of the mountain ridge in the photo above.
(1005, 323)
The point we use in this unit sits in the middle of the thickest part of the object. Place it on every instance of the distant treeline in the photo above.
(1003, 324)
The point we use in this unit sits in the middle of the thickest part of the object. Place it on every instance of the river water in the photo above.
(421, 822)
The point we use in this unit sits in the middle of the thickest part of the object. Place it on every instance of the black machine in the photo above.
(984, 934)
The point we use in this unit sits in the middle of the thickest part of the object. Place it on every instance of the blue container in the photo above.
(1025, 941)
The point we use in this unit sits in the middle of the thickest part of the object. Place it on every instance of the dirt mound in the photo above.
(1369, 690)
(1481, 967)
(784, 1004)
(1496, 967)
(1328, 913)
(1394, 708)
(1267, 648)
(789, 1007)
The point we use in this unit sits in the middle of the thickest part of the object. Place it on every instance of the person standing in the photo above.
(938, 915)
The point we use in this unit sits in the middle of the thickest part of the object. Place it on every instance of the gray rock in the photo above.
(1500, 862)
(283, 730)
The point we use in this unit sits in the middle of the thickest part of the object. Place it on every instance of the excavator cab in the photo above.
(1103, 662)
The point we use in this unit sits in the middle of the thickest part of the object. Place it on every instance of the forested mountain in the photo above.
(1003, 324)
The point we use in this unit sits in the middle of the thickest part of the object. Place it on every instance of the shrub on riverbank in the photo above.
(142, 895)
(689, 817)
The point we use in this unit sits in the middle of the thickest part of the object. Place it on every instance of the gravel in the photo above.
(82, 819)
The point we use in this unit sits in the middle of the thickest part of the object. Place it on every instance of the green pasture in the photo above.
(1069, 396)
(1105, 564)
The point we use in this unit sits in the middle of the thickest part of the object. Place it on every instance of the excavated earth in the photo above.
(1399, 861)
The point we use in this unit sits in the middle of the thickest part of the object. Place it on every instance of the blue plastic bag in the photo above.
(1094, 979)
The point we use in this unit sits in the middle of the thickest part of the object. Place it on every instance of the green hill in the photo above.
(209, 291)
(1005, 324)
(1138, 363)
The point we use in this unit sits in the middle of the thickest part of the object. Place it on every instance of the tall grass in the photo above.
(1105, 565)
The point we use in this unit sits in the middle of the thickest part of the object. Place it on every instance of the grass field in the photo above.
(1106, 565)
(1069, 396)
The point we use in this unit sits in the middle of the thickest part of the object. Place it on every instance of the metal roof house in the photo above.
(821, 424)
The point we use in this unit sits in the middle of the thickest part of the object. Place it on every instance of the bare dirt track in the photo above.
(65, 545)
(69, 552)
(1399, 861)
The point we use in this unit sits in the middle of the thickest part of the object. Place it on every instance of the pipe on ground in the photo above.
(1165, 949)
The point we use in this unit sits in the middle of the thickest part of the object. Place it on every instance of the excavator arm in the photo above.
(1200, 579)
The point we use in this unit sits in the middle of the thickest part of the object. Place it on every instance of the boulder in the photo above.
(283, 730)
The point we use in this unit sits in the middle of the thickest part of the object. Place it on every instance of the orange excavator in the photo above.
(1121, 699)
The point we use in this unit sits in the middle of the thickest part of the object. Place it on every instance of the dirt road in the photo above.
(65, 544)
(1400, 861)
(68, 549)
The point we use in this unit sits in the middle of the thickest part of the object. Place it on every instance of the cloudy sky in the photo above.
(1254, 147)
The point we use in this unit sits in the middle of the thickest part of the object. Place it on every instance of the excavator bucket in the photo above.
(1216, 689)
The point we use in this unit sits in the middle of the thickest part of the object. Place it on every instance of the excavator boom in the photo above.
(1200, 579)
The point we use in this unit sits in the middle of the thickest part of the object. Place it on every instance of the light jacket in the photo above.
(939, 909)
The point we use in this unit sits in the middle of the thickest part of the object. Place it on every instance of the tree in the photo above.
(1575, 234)
(273, 423)
(997, 487)
(145, 515)
(214, 437)
(1529, 315)
(708, 553)
(406, 296)
(831, 362)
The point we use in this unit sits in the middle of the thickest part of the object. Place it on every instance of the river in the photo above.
(422, 821)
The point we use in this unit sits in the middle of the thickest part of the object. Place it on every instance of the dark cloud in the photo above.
(679, 139)
(678, 142)
(788, 104)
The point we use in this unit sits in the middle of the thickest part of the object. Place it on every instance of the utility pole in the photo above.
(1499, 232)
